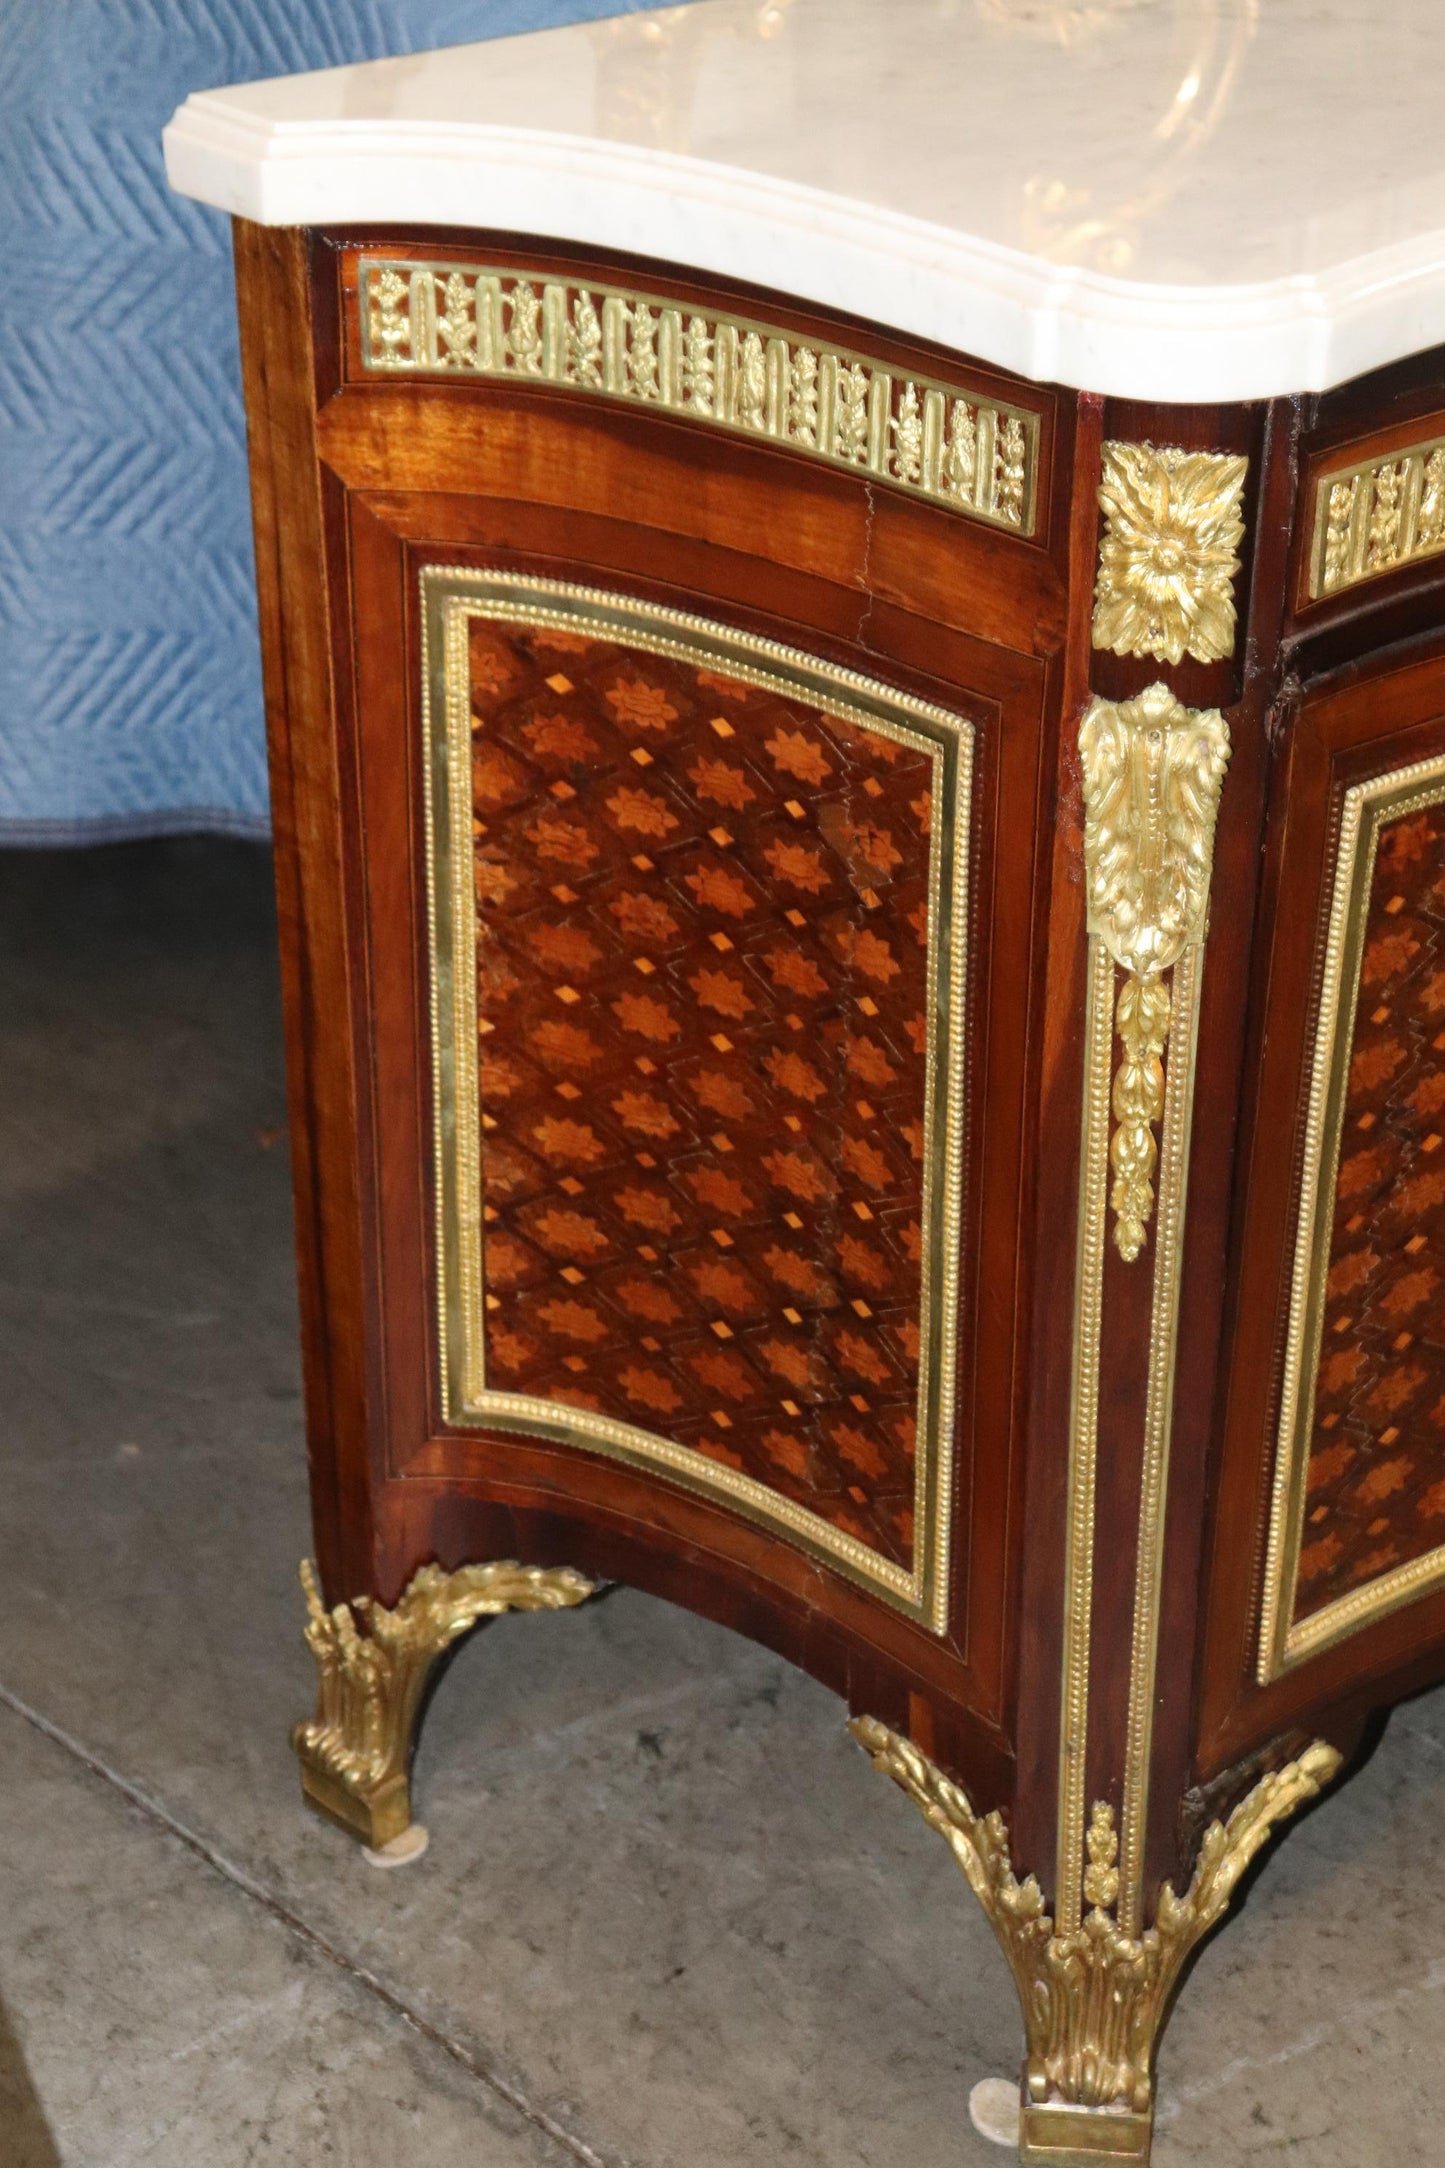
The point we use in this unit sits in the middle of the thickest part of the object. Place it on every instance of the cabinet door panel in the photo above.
(699, 959)
(1337, 1410)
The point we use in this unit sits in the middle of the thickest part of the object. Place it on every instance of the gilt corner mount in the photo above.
(1152, 770)
(373, 1662)
(1170, 552)
(1093, 1995)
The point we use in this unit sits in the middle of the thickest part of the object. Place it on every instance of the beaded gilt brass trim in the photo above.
(1152, 775)
(1094, 1995)
(1170, 552)
(373, 1662)
(1283, 1640)
(451, 597)
(1084, 1427)
(1373, 517)
(929, 438)
(1158, 1424)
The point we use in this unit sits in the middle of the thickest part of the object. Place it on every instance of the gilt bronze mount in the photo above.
(374, 1661)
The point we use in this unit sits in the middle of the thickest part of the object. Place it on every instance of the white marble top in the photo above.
(1169, 199)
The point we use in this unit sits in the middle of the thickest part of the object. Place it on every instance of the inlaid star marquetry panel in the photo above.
(716, 1069)
(1375, 1491)
(703, 997)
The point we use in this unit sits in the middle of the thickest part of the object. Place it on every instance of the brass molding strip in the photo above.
(1084, 1434)
(451, 596)
(1283, 1641)
(930, 438)
(1158, 1427)
(1375, 516)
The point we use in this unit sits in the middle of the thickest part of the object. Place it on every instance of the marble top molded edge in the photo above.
(691, 136)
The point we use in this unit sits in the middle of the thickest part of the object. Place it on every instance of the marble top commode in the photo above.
(1162, 199)
(853, 599)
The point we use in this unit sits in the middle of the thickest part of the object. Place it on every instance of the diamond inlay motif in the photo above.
(702, 1002)
(1375, 1497)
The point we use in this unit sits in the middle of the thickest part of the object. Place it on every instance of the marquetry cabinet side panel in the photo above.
(1322, 1597)
(462, 1463)
(712, 918)
(444, 480)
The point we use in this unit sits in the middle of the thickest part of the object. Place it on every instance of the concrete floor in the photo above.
(670, 1918)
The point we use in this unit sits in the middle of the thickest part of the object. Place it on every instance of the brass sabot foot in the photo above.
(1056, 2134)
(373, 1662)
(1093, 1999)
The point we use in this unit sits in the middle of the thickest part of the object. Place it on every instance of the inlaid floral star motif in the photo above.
(633, 700)
(573, 1321)
(640, 1111)
(650, 1390)
(1170, 552)
(571, 1142)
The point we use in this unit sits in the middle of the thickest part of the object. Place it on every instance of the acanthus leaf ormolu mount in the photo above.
(764, 745)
